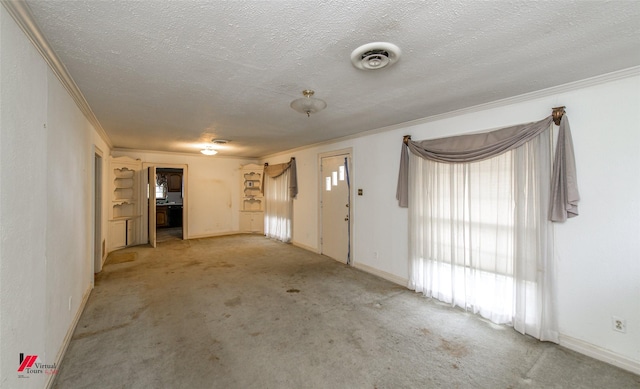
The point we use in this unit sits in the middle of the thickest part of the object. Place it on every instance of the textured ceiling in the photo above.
(170, 76)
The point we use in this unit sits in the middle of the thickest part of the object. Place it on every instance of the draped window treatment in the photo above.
(279, 190)
(476, 147)
(480, 236)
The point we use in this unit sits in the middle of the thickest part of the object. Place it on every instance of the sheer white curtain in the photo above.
(278, 208)
(480, 238)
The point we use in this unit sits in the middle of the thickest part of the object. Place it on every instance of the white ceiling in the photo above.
(170, 76)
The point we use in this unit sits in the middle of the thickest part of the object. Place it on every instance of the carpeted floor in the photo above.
(246, 312)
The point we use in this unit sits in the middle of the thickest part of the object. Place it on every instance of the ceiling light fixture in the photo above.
(208, 150)
(308, 104)
(376, 55)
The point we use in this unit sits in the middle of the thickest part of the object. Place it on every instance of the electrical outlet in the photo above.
(619, 324)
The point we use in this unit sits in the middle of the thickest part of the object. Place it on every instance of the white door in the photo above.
(152, 205)
(335, 204)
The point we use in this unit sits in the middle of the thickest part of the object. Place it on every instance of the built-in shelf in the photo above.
(252, 199)
(252, 204)
(125, 205)
(126, 217)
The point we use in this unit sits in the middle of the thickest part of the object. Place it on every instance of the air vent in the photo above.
(376, 55)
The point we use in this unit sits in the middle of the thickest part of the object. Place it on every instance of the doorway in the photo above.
(98, 243)
(167, 203)
(335, 206)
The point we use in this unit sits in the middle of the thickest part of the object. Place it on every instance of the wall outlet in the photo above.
(619, 324)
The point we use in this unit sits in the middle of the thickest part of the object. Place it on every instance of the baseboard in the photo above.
(305, 247)
(67, 338)
(213, 235)
(366, 268)
(382, 274)
(600, 354)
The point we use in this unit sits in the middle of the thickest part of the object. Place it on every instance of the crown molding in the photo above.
(126, 151)
(568, 87)
(20, 12)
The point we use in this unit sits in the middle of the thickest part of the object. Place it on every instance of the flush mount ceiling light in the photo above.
(220, 141)
(208, 150)
(308, 104)
(376, 55)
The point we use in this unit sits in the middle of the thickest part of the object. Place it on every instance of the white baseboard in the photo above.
(214, 234)
(304, 246)
(366, 268)
(600, 354)
(382, 274)
(67, 338)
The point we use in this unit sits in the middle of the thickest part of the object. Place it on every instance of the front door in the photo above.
(335, 205)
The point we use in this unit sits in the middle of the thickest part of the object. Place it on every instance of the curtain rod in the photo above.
(556, 112)
(292, 158)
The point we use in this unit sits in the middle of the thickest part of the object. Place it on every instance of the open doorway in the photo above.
(167, 203)
(98, 242)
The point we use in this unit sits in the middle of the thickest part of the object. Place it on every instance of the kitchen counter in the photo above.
(168, 203)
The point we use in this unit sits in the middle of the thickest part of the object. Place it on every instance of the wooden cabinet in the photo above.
(117, 233)
(252, 222)
(162, 216)
(168, 215)
(252, 199)
(174, 181)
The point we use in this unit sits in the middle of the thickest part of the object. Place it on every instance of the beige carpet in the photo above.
(121, 257)
(247, 312)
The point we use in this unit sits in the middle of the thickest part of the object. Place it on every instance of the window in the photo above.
(279, 207)
(161, 191)
(161, 186)
(480, 238)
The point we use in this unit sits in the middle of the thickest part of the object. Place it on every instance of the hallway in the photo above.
(244, 311)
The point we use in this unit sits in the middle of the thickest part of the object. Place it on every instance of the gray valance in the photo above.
(276, 170)
(478, 147)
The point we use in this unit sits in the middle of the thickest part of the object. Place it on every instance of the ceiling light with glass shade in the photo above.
(208, 150)
(308, 104)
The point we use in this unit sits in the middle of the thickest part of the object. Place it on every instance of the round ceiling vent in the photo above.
(376, 55)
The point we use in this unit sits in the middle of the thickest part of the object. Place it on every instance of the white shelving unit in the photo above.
(125, 211)
(252, 199)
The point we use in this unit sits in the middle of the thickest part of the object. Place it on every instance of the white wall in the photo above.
(46, 151)
(213, 192)
(597, 253)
